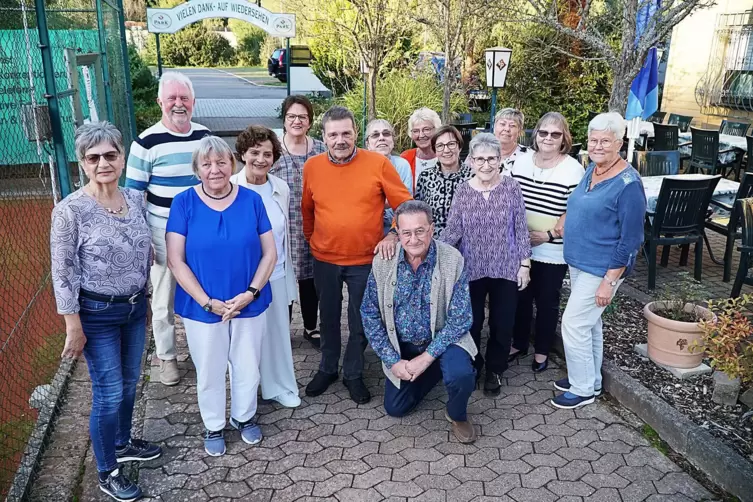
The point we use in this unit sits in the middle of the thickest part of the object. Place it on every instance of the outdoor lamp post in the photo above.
(497, 63)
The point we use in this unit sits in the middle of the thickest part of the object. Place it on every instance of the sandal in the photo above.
(313, 337)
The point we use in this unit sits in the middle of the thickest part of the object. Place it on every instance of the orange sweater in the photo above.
(410, 156)
(343, 206)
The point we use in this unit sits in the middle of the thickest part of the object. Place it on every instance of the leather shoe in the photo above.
(465, 432)
(539, 367)
(320, 383)
(358, 391)
(516, 355)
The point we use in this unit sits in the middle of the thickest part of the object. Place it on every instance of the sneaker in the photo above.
(288, 400)
(564, 386)
(358, 391)
(465, 432)
(168, 372)
(492, 383)
(250, 432)
(137, 450)
(119, 487)
(569, 401)
(214, 443)
(320, 383)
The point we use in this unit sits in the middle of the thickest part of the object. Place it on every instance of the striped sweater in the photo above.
(160, 164)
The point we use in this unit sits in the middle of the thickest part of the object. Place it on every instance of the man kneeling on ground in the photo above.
(416, 313)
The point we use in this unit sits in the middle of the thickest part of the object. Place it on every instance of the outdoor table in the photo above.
(725, 190)
(726, 142)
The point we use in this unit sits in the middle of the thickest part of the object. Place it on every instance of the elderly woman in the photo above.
(422, 124)
(258, 148)
(436, 185)
(547, 177)
(380, 138)
(101, 253)
(508, 124)
(221, 249)
(297, 148)
(603, 234)
(487, 223)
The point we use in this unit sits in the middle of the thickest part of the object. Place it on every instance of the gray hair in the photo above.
(484, 140)
(612, 122)
(414, 207)
(211, 145)
(174, 76)
(92, 134)
(424, 115)
(380, 122)
(338, 113)
(510, 114)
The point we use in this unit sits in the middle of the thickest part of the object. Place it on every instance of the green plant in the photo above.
(250, 41)
(144, 87)
(194, 45)
(728, 338)
(653, 437)
(674, 297)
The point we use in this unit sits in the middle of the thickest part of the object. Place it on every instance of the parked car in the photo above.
(276, 65)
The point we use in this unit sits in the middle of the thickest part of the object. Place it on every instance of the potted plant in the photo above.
(674, 333)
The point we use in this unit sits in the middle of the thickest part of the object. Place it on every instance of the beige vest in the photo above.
(449, 266)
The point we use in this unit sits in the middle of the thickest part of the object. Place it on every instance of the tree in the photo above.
(584, 23)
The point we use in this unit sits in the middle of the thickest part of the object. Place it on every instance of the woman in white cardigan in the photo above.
(258, 148)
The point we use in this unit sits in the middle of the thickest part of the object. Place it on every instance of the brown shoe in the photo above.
(168, 372)
(465, 432)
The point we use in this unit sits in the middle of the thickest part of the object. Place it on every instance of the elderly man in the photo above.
(417, 314)
(343, 205)
(422, 124)
(160, 164)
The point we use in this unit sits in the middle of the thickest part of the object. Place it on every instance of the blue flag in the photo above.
(643, 99)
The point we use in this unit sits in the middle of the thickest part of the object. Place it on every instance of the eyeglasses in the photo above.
(426, 131)
(420, 233)
(604, 143)
(291, 117)
(480, 161)
(375, 135)
(451, 145)
(554, 134)
(93, 158)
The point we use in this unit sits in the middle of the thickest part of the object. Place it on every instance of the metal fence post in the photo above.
(159, 56)
(103, 57)
(51, 95)
(127, 70)
(287, 64)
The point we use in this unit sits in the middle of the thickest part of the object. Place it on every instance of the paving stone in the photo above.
(293, 492)
(158, 483)
(381, 436)
(508, 413)
(482, 457)
(549, 444)
(275, 416)
(637, 491)
(347, 467)
(332, 485)
(360, 451)
(465, 492)
(338, 441)
(645, 473)
(443, 482)
(453, 447)
(551, 460)
(578, 488)
(399, 489)
(396, 445)
(574, 470)
(446, 465)
(492, 442)
(581, 424)
(581, 453)
(226, 489)
(380, 460)
(432, 439)
(308, 411)
(497, 427)
(246, 470)
(280, 439)
(530, 495)
(263, 453)
(157, 430)
(611, 447)
(181, 495)
(538, 477)
(372, 477)
(680, 482)
(430, 496)
(608, 463)
(604, 495)
(650, 456)
(185, 467)
(529, 436)
(206, 478)
(509, 466)
(415, 431)
(555, 430)
(528, 422)
(427, 454)
(559, 416)
(516, 450)
(622, 432)
(274, 481)
(582, 438)
(326, 418)
(473, 474)
(668, 498)
(286, 463)
(410, 471)
(323, 457)
(605, 480)
(358, 495)
(502, 485)
(297, 474)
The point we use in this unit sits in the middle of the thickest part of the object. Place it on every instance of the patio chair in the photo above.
(704, 154)
(678, 220)
(657, 163)
(734, 128)
(657, 117)
(683, 121)
(729, 224)
(745, 210)
(575, 150)
(527, 138)
(666, 137)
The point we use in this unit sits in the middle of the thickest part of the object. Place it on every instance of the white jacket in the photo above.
(281, 195)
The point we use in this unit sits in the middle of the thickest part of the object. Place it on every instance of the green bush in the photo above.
(192, 46)
(144, 87)
(250, 41)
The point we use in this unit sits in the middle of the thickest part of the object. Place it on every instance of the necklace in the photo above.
(109, 210)
(542, 169)
(288, 149)
(596, 170)
(217, 198)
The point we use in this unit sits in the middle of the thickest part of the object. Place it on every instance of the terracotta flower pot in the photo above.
(674, 343)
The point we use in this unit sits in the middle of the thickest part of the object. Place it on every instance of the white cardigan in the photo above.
(281, 195)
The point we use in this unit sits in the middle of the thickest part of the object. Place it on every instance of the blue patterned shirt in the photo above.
(413, 311)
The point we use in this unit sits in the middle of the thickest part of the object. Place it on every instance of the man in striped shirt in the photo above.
(160, 165)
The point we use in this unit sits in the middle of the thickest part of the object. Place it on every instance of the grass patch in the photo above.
(653, 437)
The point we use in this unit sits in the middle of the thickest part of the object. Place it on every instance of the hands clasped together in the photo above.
(229, 309)
(411, 370)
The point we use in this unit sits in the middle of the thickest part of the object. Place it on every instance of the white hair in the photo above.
(385, 124)
(174, 76)
(424, 115)
(484, 140)
(612, 122)
(208, 146)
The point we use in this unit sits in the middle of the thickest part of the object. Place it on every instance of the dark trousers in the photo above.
(309, 302)
(454, 367)
(329, 280)
(544, 289)
(503, 298)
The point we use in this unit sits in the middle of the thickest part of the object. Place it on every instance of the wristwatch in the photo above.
(610, 281)
(208, 306)
(254, 292)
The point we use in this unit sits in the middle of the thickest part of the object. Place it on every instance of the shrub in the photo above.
(144, 87)
(674, 297)
(192, 46)
(728, 339)
(250, 41)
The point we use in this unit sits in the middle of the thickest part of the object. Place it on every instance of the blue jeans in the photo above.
(454, 367)
(115, 338)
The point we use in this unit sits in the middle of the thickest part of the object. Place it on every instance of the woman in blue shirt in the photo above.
(603, 234)
(221, 249)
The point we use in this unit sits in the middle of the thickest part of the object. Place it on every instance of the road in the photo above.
(220, 84)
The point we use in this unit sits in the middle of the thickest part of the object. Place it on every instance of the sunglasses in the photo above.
(93, 158)
(554, 134)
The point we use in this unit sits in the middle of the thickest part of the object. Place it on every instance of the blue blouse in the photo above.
(223, 250)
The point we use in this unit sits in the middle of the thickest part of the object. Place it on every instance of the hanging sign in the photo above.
(180, 16)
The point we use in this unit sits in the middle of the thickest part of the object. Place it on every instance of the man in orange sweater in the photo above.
(343, 207)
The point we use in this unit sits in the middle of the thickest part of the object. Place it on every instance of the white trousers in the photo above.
(582, 333)
(212, 346)
(277, 372)
(163, 298)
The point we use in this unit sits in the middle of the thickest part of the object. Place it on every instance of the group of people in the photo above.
(424, 242)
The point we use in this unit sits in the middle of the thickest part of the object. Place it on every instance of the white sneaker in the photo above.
(288, 400)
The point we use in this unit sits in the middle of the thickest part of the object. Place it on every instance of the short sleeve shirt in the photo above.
(223, 250)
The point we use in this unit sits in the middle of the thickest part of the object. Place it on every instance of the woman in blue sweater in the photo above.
(603, 234)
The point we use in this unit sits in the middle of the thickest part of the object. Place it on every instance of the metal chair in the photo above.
(657, 163)
(734, 128)
(729, 225)
(745, 210)
(657, 117)
(678, 220)
(575, 150)
(666, 137)
(683, 121)
(704, 154)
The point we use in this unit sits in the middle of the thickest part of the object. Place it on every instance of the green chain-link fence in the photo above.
(84, 47)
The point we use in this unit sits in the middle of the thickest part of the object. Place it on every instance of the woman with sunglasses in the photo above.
(380, 138)
(547, 177)
(436, 185)
(297, 148)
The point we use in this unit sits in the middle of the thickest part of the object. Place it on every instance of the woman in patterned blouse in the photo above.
(508, 124)
(436, 185)
(487, 223)
(101, 252)
(297, 148)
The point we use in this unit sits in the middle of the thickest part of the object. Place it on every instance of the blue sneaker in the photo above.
(564, 386)
(214, 443)
(569, 401)
(119, 487)
(250, 432)
(137, 451)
